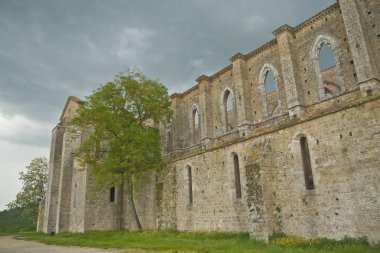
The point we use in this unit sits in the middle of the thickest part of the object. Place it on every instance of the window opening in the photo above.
(228, 110)
(189, 175)
(237, 176)
(112, 194)
(308, 173)
(270, 82)
(196, 126)
(328, 70)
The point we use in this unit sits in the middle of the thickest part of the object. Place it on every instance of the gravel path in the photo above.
(8, 244)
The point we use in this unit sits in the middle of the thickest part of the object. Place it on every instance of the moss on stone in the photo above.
(254, 190)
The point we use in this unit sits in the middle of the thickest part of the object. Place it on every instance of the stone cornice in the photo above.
(203, 78)
(261, 49)
(316, 17)
(283, 28)
(221, 72)
(175, 95)
(237, 56)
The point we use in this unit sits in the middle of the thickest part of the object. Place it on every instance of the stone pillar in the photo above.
(240, 79)
(70, 142)
(205, 108)
(293, 91)
(40, 220)
(365, 66)
(174, 127)
(51, 199)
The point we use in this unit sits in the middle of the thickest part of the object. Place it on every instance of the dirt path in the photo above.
(8, 244)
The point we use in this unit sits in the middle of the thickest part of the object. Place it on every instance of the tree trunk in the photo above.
(134, 212)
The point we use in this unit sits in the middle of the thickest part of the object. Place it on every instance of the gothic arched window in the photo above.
(228, 106)
(270, 82)
(196, 126)
(325, 56)
(328, 70)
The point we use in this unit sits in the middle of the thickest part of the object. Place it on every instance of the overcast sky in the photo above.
(52, 49)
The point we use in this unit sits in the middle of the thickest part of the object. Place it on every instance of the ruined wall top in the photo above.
(279, 79)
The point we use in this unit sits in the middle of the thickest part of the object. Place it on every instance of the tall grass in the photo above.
(173, 241)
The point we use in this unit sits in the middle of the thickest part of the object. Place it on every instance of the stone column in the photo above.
(50, 213)
(174, 127)
(205, 108)
(240, 79)
(40, 219)
(70, 142)
(293, 91)
(365, 66)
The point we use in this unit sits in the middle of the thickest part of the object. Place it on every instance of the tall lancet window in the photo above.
(228, 104)
(308, 173)
(196, 126)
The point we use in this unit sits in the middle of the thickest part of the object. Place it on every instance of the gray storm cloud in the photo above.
(50, 50)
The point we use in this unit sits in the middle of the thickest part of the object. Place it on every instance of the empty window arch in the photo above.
(228, 107)
(196, 117)
(308, 173)
(229, 101)
(195, 125)
(268, 87)
(325, 56)
(270, 82)
(329, 73)
(237, 176)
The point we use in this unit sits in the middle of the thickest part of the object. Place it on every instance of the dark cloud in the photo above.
(53, 49)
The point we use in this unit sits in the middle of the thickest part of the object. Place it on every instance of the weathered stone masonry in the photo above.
(302, 157)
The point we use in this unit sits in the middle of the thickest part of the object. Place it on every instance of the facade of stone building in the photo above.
(273, 142)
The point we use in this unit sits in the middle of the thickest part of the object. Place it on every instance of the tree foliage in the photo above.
(14, 220)
(33, 190)
(117, 120)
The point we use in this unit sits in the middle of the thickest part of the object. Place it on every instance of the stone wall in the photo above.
(344, 151)
(100, 213)
(252, 176)
(268, 130)
(78, 198)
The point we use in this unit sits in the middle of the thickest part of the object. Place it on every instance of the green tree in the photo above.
(121, 143)
(33, 188)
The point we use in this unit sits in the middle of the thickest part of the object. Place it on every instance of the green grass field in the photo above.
(174, 241)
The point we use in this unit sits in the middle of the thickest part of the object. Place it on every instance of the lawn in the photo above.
(173, 241)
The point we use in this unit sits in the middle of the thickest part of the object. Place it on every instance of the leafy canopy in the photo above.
(33, 188)
(118, 121)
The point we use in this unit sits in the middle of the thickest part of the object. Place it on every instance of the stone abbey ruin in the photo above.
(273, 142)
